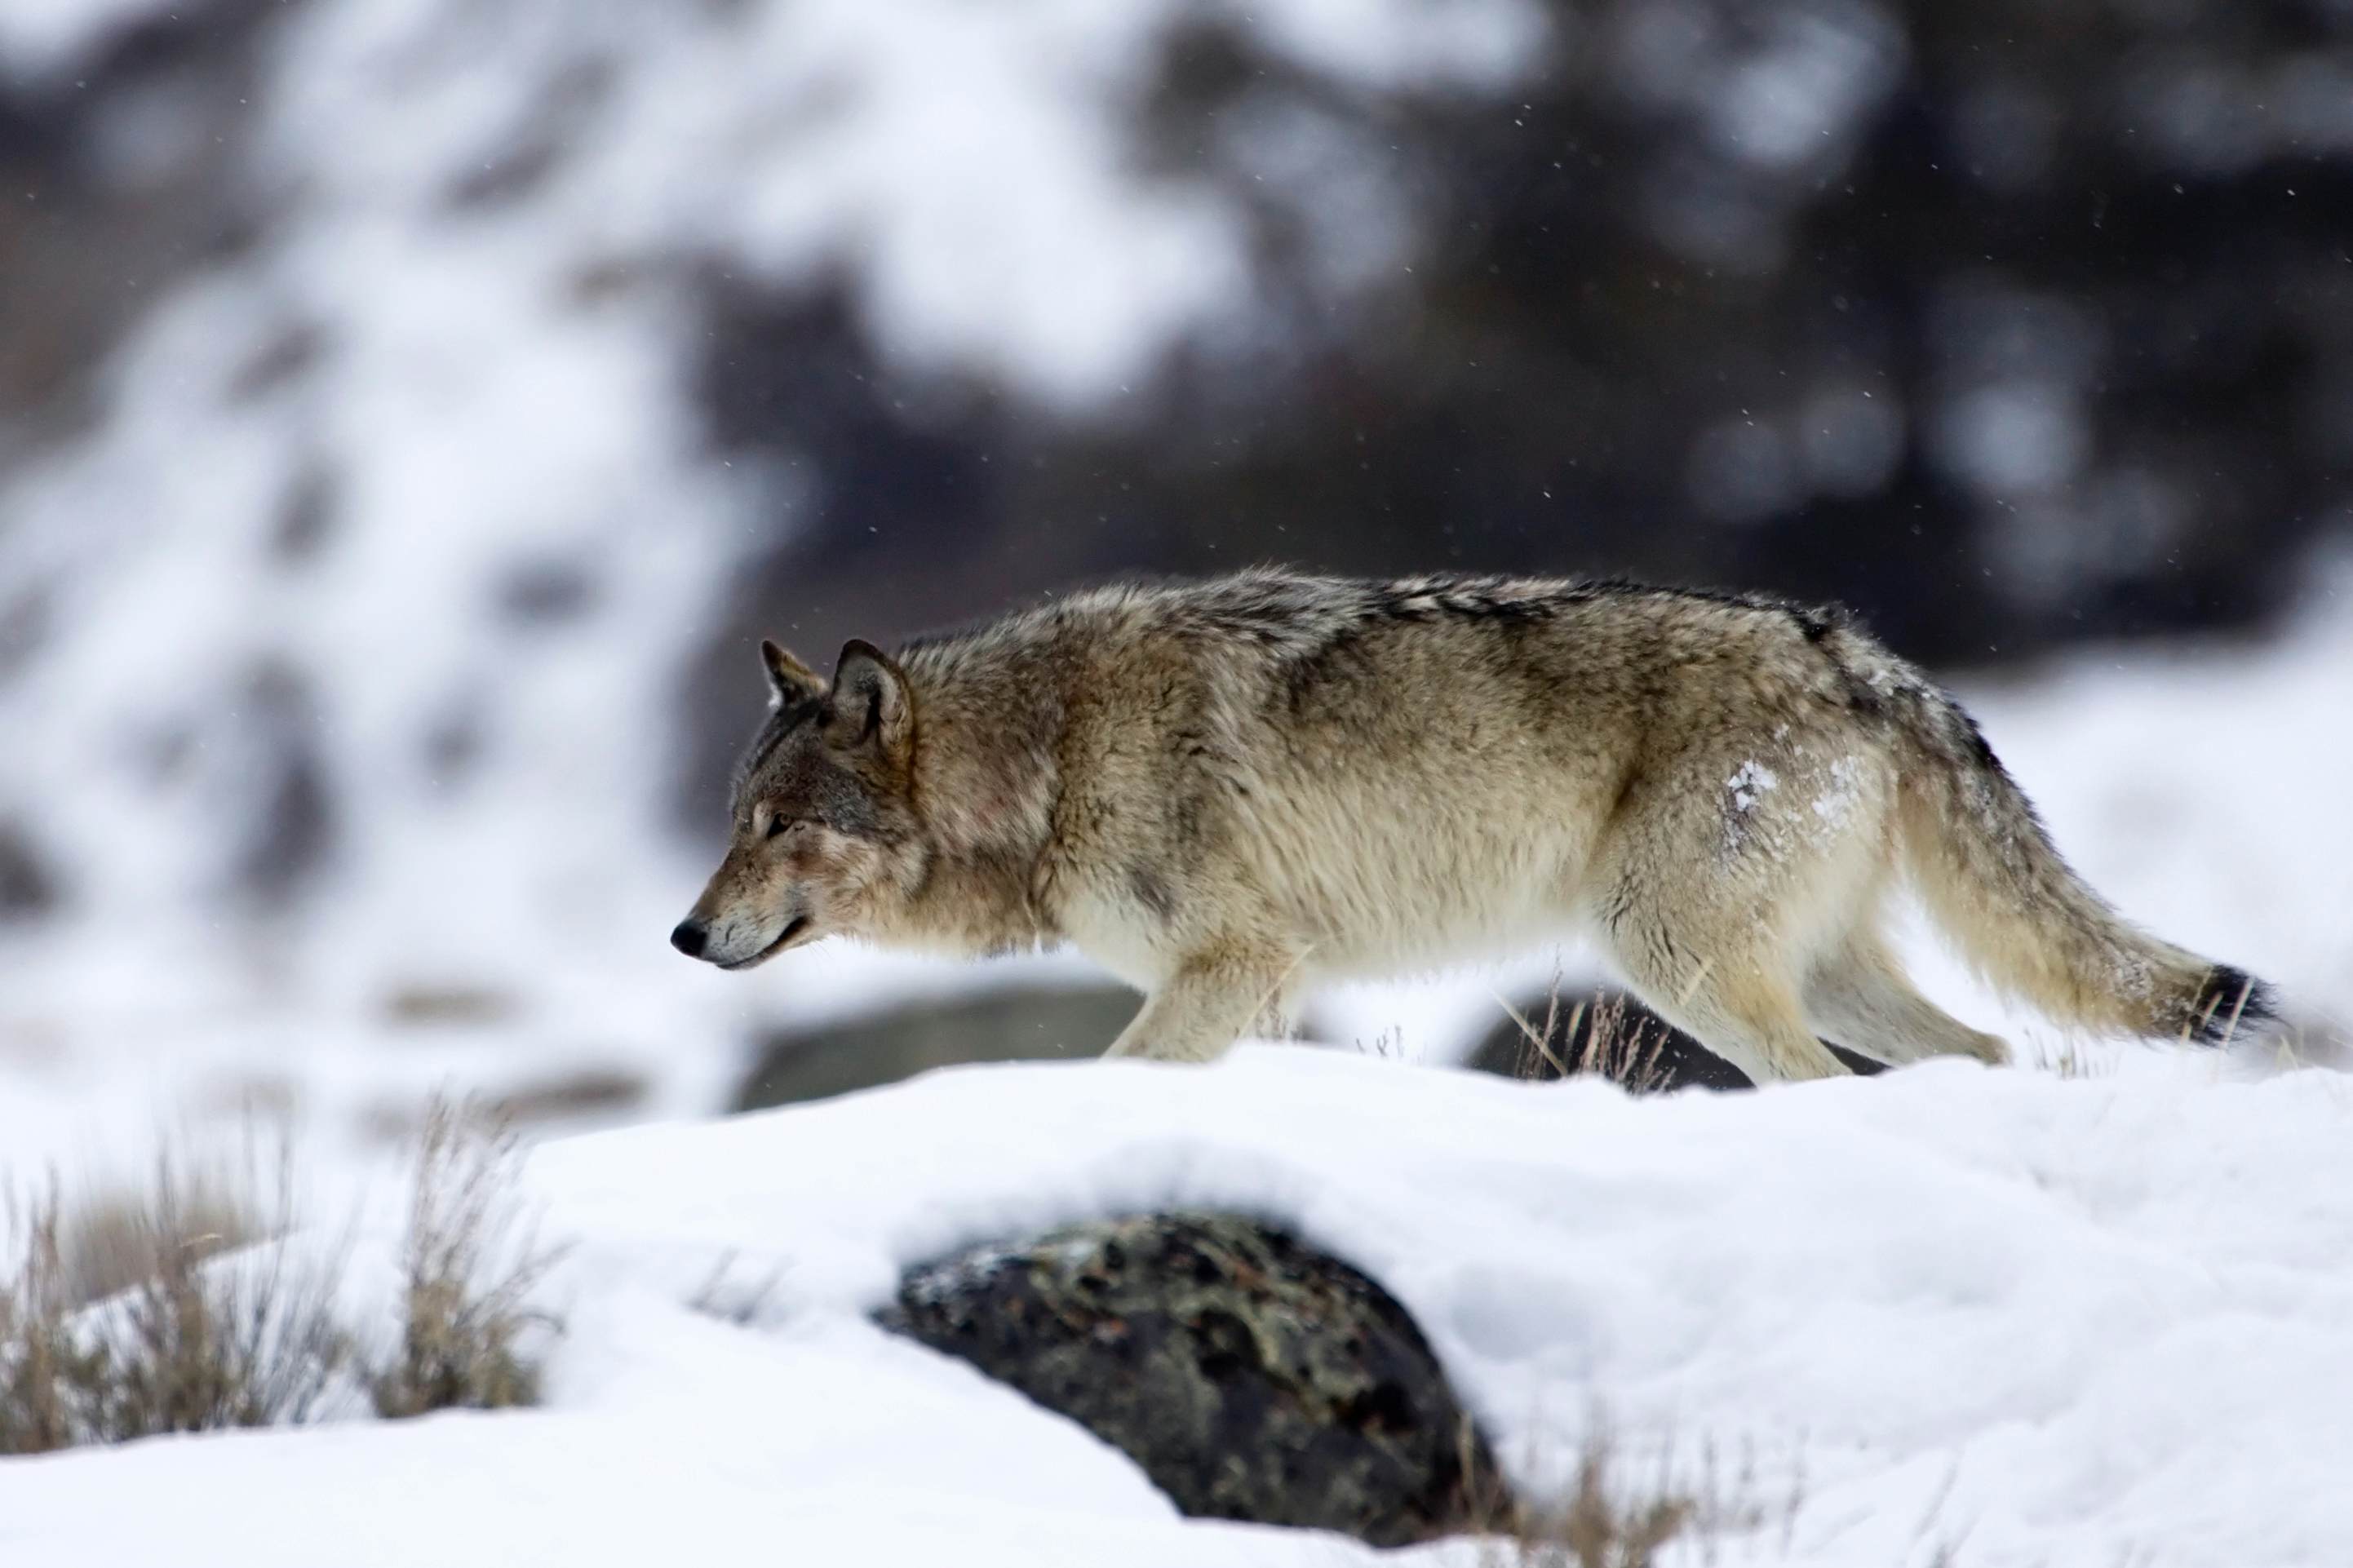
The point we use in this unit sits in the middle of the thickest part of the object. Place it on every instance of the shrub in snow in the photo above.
(191, 1306)
(180, 1342)
(467, 1330)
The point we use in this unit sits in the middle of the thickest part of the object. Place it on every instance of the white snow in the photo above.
(1751, 780)
(1841, 794)
(2054, 1321)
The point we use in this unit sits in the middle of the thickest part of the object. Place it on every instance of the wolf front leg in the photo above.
(1199, 1012)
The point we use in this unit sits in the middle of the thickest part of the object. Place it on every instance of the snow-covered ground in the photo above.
(2028, 1318)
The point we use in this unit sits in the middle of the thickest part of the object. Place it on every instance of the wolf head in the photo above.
(824, 837)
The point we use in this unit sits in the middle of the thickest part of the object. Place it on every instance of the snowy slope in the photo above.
(2055, 1321)
(416, 490)
(393, 533)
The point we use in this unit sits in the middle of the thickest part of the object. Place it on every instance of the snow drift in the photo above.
(2035, 1319)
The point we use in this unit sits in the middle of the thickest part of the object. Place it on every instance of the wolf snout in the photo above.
(690, 937)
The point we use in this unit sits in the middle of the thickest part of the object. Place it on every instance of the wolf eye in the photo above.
(776, 825)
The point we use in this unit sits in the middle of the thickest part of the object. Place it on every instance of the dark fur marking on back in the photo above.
(1267, 607)
(1302, 674)
(1508, 599)
(1830, 616)
(1474, 598)
(1812, 622)
(1974, 746)
(1860, 695)
(1815, 623)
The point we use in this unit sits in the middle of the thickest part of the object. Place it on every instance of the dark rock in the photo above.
(450, 1004)
(1251, 1378)
(287, 845)
(1617, 1036)
(306, 517)
(515, 166)
(28, 890)
(548, 593)
(1012, 1023)
(455, 743)
(290, 353)
(25, 619)
(608, 1094)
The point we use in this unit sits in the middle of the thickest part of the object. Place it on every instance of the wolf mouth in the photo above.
(793, 928)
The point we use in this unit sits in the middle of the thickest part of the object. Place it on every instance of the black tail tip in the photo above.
(2231, 1005)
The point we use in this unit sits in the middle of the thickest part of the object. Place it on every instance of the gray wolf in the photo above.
(1228, 791)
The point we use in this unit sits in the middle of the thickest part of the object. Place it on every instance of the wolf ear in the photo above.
(790, 679)
(869, 698)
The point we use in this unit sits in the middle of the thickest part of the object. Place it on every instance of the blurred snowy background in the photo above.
(412, 411)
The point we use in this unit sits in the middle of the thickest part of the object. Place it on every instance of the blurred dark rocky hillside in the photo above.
(2009, 323)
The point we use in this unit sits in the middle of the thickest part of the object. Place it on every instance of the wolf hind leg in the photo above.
(1707, 899)
(1752, 1020)
(1859, 996)
(1732, 1001)
(1212, 999)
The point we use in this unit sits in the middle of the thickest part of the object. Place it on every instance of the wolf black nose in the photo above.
(691, 938)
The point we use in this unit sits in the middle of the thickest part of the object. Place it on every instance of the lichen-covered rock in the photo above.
(1251, 1378)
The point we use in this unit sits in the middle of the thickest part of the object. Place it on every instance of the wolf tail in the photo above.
(2030, 926)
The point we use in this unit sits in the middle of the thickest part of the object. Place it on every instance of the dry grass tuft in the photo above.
(135, 1314)
(591, 1092)
(116, 1323)
(2071, 1057)
(1605, 1040)
(746, 1302)
(1609, 1521)
(115, 1240)
(472, 1264)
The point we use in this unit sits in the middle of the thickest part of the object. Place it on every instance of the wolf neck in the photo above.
(985, 784)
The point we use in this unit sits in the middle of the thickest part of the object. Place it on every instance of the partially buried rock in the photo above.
(1251, 1378)
(1611, 1036)
(1009, 1023)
